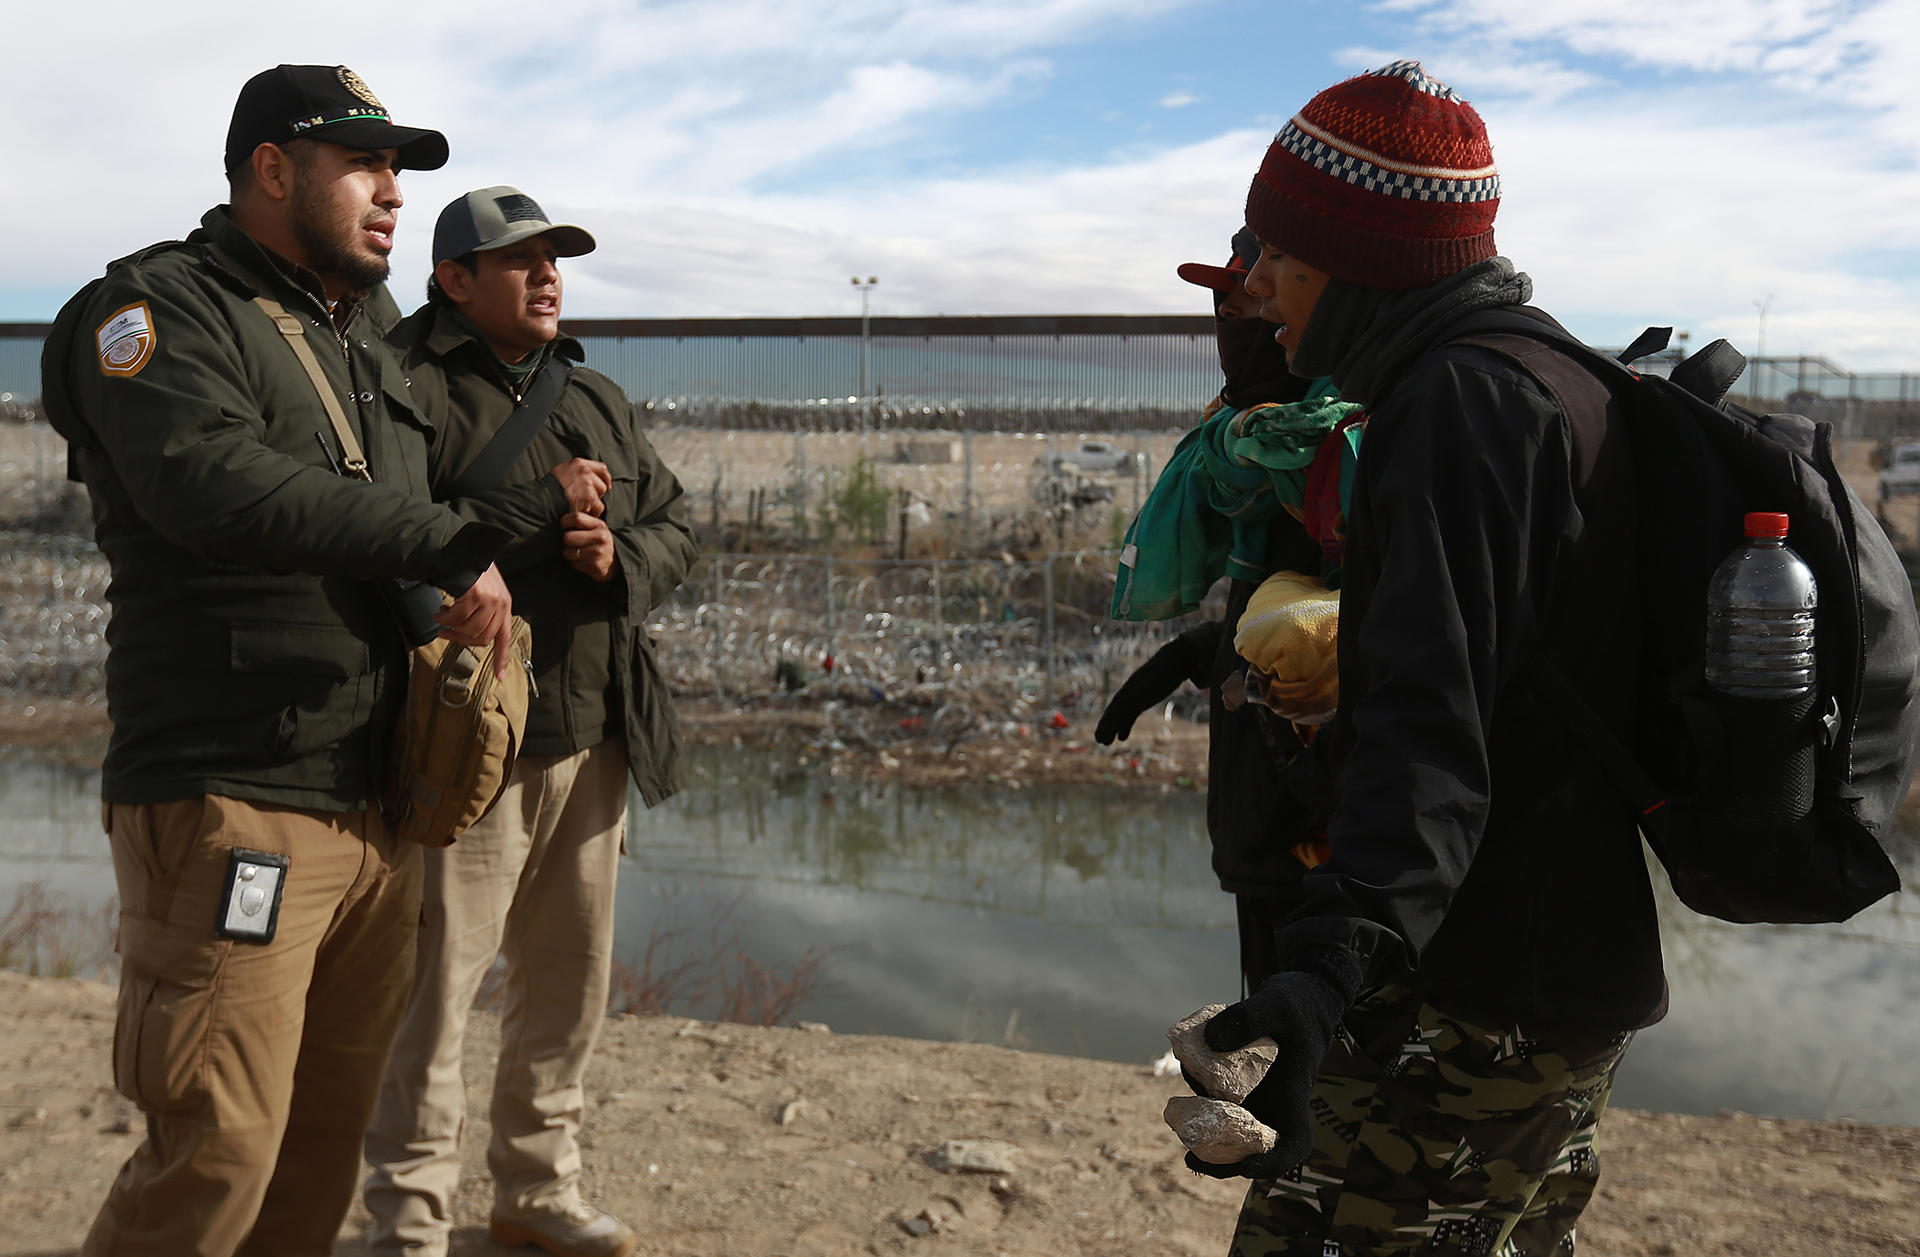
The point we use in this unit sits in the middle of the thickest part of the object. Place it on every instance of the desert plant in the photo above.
(860, 502)
(713, 976)
(47, 935)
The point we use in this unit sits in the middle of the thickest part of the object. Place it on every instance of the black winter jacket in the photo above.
(1254, 815)
(1473, 841)
(249, 653)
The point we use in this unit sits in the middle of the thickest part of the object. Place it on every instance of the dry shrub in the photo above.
(658, 978)
(694, 972)
(680, 971)
(46, 935)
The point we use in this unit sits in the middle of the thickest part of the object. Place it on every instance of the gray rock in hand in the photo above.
(1225, 1075)
(1217, 1131)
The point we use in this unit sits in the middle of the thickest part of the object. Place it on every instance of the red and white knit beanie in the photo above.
(1385, 180)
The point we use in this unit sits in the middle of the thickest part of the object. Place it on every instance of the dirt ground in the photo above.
(727, 1139)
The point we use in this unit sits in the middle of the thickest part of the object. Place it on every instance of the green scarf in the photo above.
(1209, 511)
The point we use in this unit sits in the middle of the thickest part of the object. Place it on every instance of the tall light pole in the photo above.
(1759, 347)
(866, 294)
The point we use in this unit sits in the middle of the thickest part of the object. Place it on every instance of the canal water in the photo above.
(1080, 920)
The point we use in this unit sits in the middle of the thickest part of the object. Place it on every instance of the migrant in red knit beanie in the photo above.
(1385, 180)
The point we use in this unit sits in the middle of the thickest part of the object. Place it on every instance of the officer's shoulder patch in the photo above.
(126, 340)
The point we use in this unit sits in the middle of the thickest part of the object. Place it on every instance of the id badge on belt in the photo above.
(250, 908)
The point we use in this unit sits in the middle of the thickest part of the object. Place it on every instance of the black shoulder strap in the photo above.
(1581, 381)
(1648, 800)
(490, 465)
(1535, 324)
(1579, 378)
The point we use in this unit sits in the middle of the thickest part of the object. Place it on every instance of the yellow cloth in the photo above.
(1289, 634)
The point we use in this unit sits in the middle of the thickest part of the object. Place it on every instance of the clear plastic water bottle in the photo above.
(1760, 607)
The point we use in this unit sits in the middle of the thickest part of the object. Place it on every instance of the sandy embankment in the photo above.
(727, 1139)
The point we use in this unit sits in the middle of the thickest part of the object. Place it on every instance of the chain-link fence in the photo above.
(902, 648)
(53, 616)
(1012, 639)
(906, 623)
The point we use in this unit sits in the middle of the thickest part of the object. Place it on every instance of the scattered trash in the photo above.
(976, 1156)
(30, 1117)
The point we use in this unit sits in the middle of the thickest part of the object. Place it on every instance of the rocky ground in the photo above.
(728, 1139)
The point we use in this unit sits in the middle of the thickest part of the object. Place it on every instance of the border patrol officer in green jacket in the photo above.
(601, 538)
(267, 916)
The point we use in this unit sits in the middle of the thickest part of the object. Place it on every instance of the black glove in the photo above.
(1299, 1010)
(1155, 679)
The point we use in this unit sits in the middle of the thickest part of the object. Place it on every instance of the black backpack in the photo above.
(1699, 760)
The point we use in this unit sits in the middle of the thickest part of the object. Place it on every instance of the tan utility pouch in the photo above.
(458, 737)
(460, 729)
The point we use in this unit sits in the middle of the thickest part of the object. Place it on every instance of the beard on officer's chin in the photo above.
(332, 245)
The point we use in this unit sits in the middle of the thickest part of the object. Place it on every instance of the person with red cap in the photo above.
(1465, 973)
(1262, 829)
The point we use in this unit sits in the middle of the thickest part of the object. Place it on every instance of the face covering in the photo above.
(1255, 367)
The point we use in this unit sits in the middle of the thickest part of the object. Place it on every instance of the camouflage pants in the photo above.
(1437, 1134)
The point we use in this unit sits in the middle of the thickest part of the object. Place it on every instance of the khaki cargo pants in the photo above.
(1438, 1133)
(256, 1064)
(533, 881)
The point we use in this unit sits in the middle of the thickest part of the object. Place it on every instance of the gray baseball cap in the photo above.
(493, 218)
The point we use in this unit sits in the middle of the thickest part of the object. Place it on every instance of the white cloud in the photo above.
(1706, 35)
(1103, 238)
(611, 102)
(1856, 53)
(1662, 162)
(1545, 81)
(1687, 224)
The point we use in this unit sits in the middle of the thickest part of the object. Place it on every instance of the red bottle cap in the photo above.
(1766, 524)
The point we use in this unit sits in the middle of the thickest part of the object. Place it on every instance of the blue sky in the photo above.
(1661, 163)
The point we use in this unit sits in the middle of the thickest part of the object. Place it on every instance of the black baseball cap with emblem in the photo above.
(493, 218)
(323, 102)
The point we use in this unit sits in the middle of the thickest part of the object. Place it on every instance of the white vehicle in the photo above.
(1902, 474)
(1103, 456)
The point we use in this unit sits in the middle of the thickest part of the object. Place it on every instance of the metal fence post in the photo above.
(966, 485)
(800, 484)
(719, 631)
(939, 628)
(1046, 586)
(829, 608)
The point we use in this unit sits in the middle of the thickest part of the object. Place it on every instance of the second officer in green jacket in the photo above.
(601, 538)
